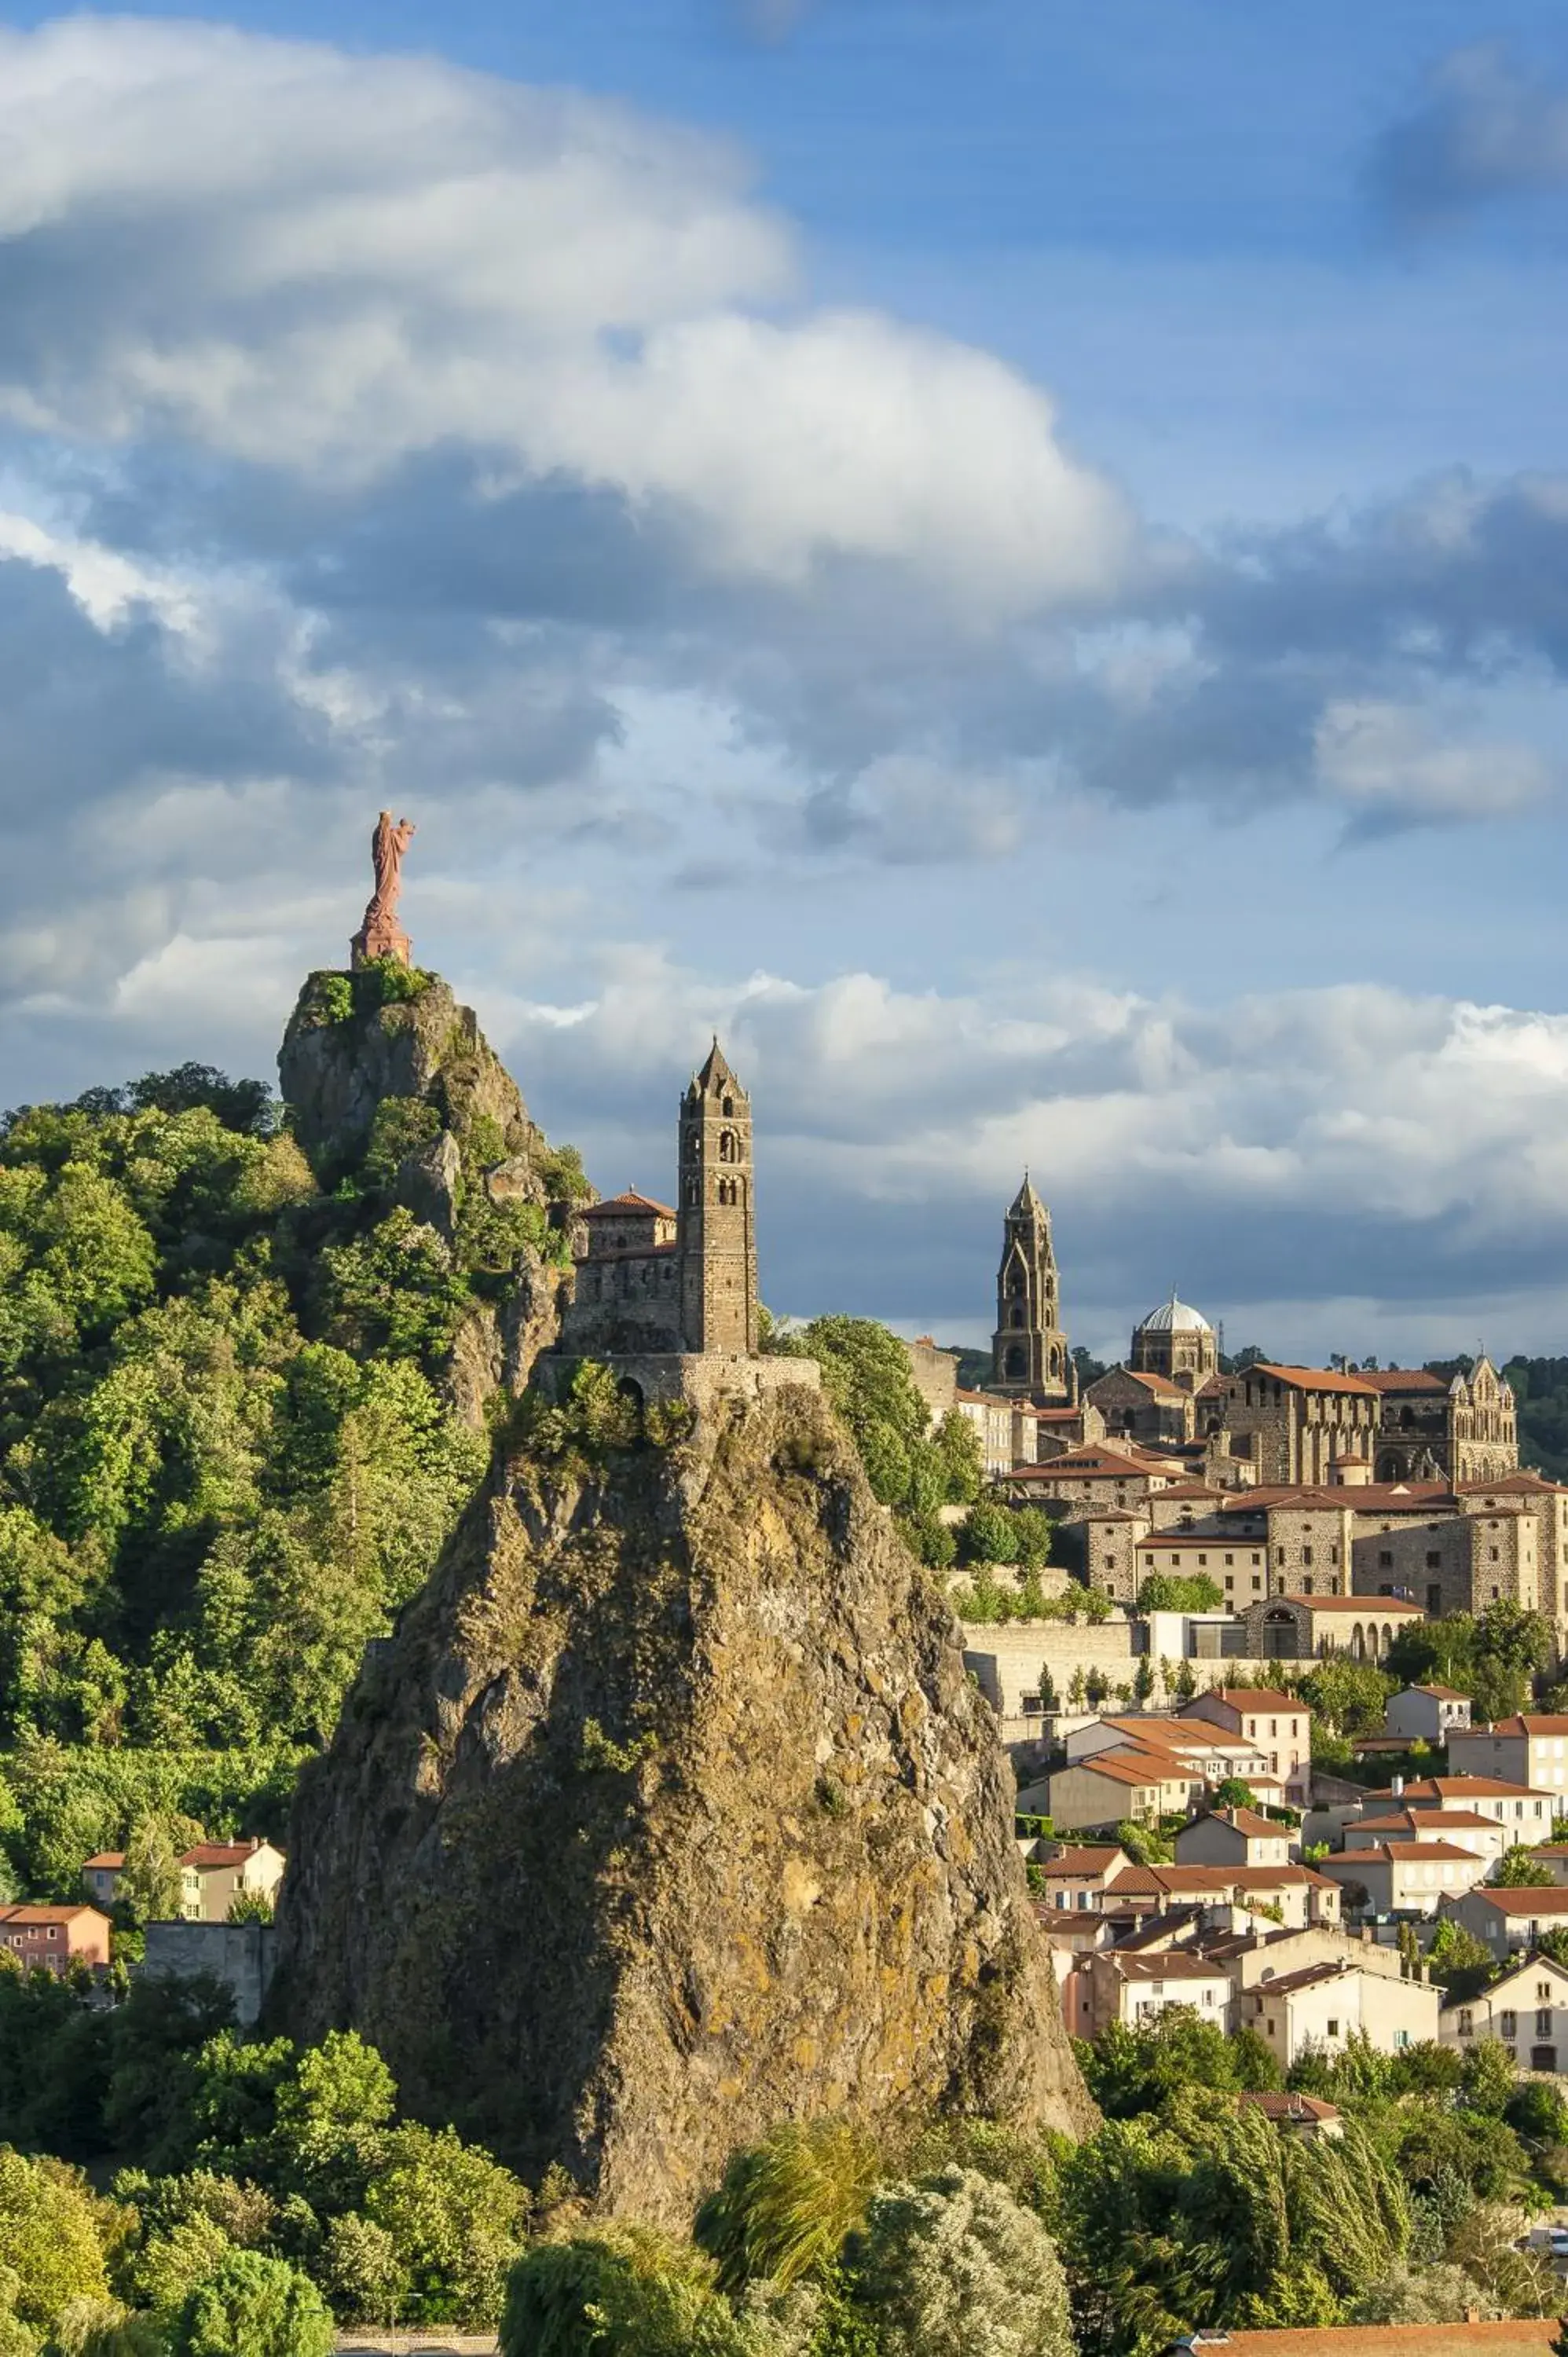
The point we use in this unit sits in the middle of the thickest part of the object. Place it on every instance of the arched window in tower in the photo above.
(693, 1192)
(729, 1146)
(1017, 1363)
(1016, 1282)
(1014, 1315)
(729, 1108)
(729, 1191)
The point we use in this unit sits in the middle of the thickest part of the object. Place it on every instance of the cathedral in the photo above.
(1030, 1360)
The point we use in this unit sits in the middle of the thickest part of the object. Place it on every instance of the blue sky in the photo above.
(1015, 560)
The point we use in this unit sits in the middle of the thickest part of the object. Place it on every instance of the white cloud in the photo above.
(1387, 758)
(330, 263)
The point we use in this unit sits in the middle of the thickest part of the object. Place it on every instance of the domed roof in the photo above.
(1173, 1317)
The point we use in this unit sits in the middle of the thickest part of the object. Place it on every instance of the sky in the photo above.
(1012, 561)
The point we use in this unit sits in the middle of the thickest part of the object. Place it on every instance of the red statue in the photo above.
(380, 935)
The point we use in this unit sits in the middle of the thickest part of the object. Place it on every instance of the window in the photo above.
(1256, 1583)
(1385, 1558)
(1543, 2021)
(1306, 1587)
(1109, 1562)
(1278, 1555)
(1306, 1554)
(1230, 1558)
(1433, 1559)
(1466, 2022)
(1508, 2025)
(1493, 1556)
(1333, 2027)
(1543, 1992)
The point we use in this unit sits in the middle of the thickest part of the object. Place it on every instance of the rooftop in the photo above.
(1093, 1858)
(1312, 1379)
(1434, 1792)
(1173, 1317)
(1367, 1606)
(623, 1206)
(1280, 2107)
(1249, 1698)
(1171, 1967)
(1527, 1904)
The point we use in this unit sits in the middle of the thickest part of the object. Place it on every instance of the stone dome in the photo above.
(1173, 1317)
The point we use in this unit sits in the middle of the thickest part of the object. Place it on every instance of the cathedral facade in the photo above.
(1030, 1357)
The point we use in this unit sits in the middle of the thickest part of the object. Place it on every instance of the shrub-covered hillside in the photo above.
(225, 1456)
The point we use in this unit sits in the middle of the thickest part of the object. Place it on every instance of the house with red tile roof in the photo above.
(53, 1939)
(214, 1874)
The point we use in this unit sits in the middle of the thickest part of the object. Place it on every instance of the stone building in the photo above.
(934, 1374)
(1138, 1405)
(1178, 1343)
(667, 1296)
(1430, 1428)
(1458, 1562)
(1029, 1354)
(1296, 1423)
(1483, 1427)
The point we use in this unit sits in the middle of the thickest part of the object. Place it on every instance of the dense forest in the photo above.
(226, 1457)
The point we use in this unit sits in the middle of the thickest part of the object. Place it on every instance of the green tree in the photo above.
(1234, 1792)
(149, 1883)
(51, 2230)
(1165, 1591)
(1488, 2077)
(624, 2292)
(1459, 1962)
(254, 2305)
(990, 1534)
(1132, 2070)
(866, 1374)
(955, 2266)
(455, 2218)
(1348, 1696)
(786, 2205)
(1520, 1869)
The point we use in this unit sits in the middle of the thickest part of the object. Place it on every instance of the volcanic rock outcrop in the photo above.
(408, 1088)
(668, 1812)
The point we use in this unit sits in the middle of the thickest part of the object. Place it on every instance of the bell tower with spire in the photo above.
(1029, 1354)
(715, 1235)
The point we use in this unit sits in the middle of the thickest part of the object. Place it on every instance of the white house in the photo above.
(1525, 1810)
(1133, 1988)
(1234, 1837)
(1426, 1713)
(1277, 1723)
(1507, 1920)
(1532, 1749)
(1404, 1878)
(1527, 2010)
(1466, 1828)
(1323, 2004)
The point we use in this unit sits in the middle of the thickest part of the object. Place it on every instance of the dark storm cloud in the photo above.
(1487, 126)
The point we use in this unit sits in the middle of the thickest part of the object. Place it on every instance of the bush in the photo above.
(990, 1534)
(786, 2205)
(954, 2267)
(253, 2307)
(628, 2292)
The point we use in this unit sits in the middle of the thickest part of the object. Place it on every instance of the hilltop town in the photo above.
(775, 1741)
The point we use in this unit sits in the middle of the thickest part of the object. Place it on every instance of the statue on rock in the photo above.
(380, 935)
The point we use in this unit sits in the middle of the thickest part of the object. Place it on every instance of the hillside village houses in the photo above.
(1330, 1509)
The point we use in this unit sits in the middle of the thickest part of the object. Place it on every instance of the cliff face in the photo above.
(669, 1813)
(343, 1055)
(410, 1094)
